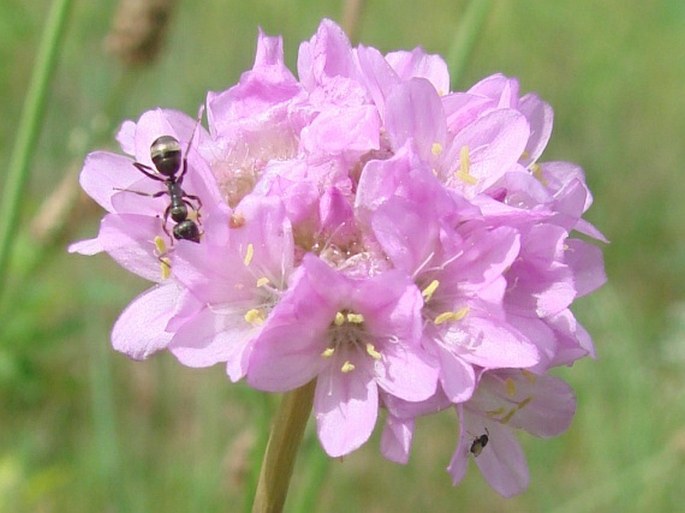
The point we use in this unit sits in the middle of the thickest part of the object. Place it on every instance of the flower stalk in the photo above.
(281, 451)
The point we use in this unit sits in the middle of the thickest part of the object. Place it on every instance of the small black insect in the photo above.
(479, 443)
(166, 155)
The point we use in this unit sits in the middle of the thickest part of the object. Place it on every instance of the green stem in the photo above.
(281, 451)
(465, 38)
(352, 13)
(29, 129)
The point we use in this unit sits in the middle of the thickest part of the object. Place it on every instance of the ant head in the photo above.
(165, 153)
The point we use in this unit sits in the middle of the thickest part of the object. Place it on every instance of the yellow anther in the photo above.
(443, 317)
(530, 377)
(262, 281)
(508, 416)
(348, 366)
(328, 352)
(524, 403)
(464, 171)
(255, 317)
(160, 245)
(428, 292)
(461, 313)
(371, 350)
(164, 262)
(436, 148)
(355, 318)
(165, 267)
(510, 386)
(339, 319)
(537, 173)
(451, 316)
(465, 159)
(519, 406)
(249, 253)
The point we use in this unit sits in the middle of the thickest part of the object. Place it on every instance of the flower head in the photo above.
(364, 227)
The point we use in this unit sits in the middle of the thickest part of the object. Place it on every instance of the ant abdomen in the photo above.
(165, 153)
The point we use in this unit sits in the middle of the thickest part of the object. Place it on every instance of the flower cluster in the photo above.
(365, 227)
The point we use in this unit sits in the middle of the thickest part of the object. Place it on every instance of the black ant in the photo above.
(479, 443)
(165, 152)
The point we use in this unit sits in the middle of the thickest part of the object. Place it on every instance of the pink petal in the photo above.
(210, 338)
(397, 438)
(587, 264)
(419, 64)
(414, 111)
(140, 329)
(405, 373)
(103, 173)
(551, 408)
(346, 407)
(540, 117)
(129, 239)
(86, 247)
(495, 141)
(456, 376)
(502, 462)
(286, 357)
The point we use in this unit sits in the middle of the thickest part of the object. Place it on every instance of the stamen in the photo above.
(464, 171)
(451, 316)
(530, 377)
(371, 350)
(510, 387)
(496, 412)
(262, 281)
(164, 262)
(519, 406)
(436, 148)
(165, 267)
(255, 317)
(249, 253)
(428, 292)
(160, 245)
(537, 173)
(355, 318)
(339, 319)
(348, 366)
(328, 352)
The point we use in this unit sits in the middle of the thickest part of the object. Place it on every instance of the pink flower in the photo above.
(355, 337)
(362, 226)
(541, 405)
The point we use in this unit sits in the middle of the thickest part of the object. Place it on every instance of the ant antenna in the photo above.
(200, 113)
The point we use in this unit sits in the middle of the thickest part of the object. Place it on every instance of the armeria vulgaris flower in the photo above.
(364, 227)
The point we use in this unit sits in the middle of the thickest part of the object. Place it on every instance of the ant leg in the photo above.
(164, 221)
(146, 170)
(141, 193)
(194, 198)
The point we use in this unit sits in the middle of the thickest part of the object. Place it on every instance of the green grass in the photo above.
(83, 429)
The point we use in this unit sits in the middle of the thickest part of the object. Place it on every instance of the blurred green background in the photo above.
(83, 429)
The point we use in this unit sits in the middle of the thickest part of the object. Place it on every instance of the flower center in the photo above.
(349, 341)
